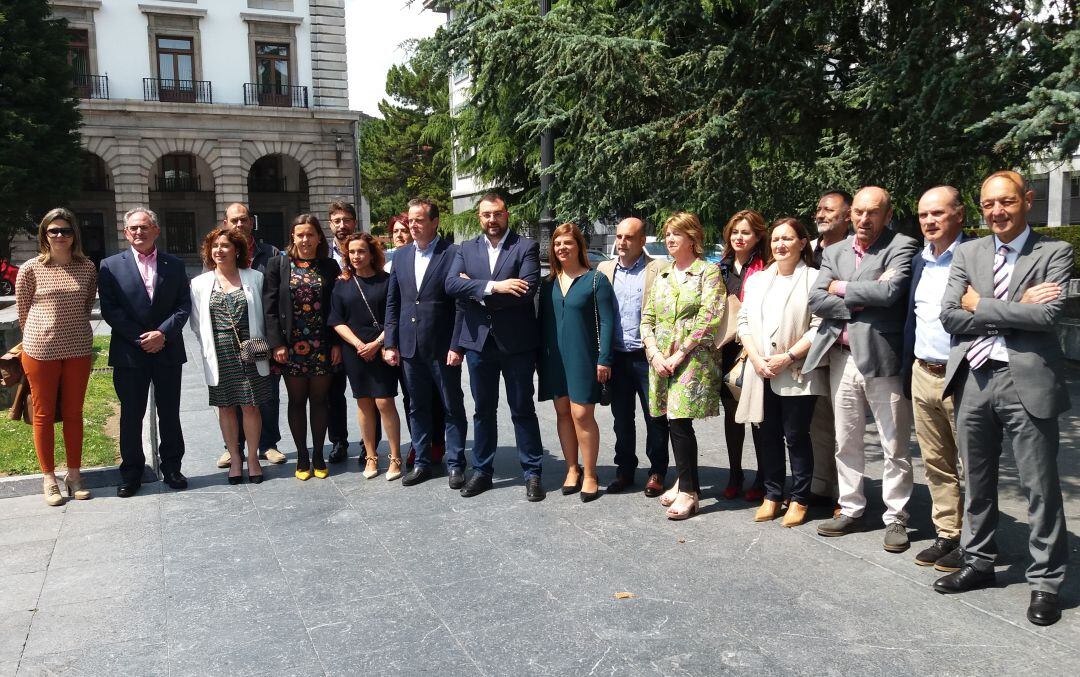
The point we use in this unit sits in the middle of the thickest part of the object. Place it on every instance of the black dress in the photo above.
(348, 307)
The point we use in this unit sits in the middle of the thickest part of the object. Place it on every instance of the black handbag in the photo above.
(605, 388)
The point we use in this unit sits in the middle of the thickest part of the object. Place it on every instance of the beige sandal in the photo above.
(394, 471)
(369, 472)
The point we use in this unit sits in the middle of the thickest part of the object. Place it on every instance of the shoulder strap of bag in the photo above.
(360, 289)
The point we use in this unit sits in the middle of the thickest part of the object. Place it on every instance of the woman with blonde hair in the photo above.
(778, 398)
(678, 328)
(54, 293)
(577, 324)
(226, 310)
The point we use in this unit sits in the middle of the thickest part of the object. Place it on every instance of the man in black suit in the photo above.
(145, 297)
(495, 276)
(421, 330)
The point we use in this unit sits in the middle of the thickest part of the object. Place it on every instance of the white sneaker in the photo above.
(272, 455)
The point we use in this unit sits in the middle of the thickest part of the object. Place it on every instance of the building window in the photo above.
(95, 175)
(178, 173)
(267, 176)
(79, 52)
(272, 65)
(1074, 187)
(180, 232)
(176, 60)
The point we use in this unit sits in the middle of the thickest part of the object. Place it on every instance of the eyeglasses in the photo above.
(135, 229)
(60, 232)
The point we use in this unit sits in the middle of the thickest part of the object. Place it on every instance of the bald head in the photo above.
(238, 217)
(941, 217)
(871, 211)
(1005, 200)
(629, 240)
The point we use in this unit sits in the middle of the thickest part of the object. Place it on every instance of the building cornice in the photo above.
(81, 4)
(271, 18)
(175, 11)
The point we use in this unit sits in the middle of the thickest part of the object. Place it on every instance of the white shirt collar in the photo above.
(1017, 244)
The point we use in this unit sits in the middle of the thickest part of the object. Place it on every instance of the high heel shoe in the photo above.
(319, 467)
(669, 496)
(75, 488)
(255, 479)
(568, 489)
(52, 492)
(587, 496)
(394, 471)
(684, 510)
(734, 485)
(237, 479)
(370, 473)
(303, 467)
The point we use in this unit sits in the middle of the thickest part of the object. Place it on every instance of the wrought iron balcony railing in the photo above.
(284, 96)
(177, 91)
(91, 86)
(175, 184)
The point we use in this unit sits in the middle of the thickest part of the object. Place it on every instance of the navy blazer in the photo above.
(127, 308)
(510, 319)
(423, 323)
(908, 361)
(278, 302)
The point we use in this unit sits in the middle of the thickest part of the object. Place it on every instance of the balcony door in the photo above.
(79, 60)
(272, 72)
(176, 69)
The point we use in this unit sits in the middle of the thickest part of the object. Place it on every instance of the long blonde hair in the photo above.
(53, 215)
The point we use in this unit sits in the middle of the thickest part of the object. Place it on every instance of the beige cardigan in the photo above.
(796, 322)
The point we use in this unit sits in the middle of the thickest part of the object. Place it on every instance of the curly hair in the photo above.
(235, 237)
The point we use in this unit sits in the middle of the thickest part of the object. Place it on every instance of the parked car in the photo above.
(654, 249)
(8, 273)
(596, 257)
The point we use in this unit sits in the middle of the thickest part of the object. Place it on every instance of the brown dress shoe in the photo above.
(769, 510)
(795, 515)
(655, 486)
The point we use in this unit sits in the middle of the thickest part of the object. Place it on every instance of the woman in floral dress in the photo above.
(678, 327)
(296, 297)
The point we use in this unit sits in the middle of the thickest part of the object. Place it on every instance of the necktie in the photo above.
(979, 350)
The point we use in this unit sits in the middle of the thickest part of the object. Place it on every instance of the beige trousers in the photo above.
(935, 431)
(823, 439)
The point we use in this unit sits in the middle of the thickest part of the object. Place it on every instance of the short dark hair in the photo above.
(492, 196)
(432, 208)
(842, 194)
(342, 206)
(234, 237)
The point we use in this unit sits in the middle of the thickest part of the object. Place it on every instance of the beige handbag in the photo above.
(728, 330)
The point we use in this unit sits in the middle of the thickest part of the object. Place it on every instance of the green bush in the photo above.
(1070, 234)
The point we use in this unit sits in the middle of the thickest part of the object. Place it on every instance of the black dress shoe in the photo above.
(620, 483)
(968, 578)
(127, 490)
(175, 480)
(339, 453)
(533, 490)
(1044, 609)
(477, 484)
(417, 475)
(940, 548)
(456, 478)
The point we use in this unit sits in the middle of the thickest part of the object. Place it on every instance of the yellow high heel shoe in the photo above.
(303, 475)
(321, 473)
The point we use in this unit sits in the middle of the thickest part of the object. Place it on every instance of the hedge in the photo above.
(1070, 234)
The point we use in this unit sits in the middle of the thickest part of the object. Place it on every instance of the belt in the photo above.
(994, 364)
(935, 368)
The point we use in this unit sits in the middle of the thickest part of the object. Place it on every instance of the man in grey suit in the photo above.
(861, 296)
(1005, 372)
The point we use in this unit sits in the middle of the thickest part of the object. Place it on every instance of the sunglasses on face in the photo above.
(60, 232)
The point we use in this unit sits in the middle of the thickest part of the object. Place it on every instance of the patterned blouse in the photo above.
(54, 305)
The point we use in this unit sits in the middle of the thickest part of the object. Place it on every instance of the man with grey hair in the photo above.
(926, 353)
(145, 298)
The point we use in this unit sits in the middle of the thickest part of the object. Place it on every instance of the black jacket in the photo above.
(277, 299)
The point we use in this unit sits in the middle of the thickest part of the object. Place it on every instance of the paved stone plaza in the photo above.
(351, 576)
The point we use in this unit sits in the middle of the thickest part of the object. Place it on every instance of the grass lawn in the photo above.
(17, 455)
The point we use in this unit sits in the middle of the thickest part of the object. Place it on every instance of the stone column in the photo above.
(328, 69)
(130, 184)
(233, 186)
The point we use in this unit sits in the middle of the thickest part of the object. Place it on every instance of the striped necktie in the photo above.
(979, 350)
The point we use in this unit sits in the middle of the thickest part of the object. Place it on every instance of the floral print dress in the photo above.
(684, 311)
(309, 349)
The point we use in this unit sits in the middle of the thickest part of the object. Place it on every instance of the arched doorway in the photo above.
(277, 192)
(95, 207)
(182, 195)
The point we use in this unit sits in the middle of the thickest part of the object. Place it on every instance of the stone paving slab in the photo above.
(348, 576)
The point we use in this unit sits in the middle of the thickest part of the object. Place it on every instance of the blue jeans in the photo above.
(517, 372)
(630, 381)
(432, 384)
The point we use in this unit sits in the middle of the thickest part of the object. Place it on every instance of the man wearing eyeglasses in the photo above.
(146, 299)
(342, 217)
(238, 217)
(1006, 375)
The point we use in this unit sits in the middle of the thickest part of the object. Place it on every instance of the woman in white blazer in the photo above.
(776, 329)
(226, 309)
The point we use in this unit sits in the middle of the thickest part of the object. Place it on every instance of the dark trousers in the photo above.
(630, 382)
(987, 407)
(269, 411)
(337, 420)
(133, 390)
(685, 450)
(517, 370)
(434, 385)
(786, 422)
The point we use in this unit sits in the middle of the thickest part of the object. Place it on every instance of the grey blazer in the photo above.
(873, 309)
(1035, 358)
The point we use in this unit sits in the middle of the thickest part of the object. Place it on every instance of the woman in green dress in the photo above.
(678, 328)
(577, 319)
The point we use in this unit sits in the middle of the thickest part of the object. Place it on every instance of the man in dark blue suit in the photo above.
(421, 332)
(496, 276)
(145, 297)
(926, 353)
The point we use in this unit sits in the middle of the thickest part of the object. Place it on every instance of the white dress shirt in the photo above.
(493, 258)
(421, 260)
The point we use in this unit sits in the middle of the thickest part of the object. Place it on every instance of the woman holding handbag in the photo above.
(54, 293)
(358, 307)
(678, 328)
(744, 256)
(778, 398)
(227, 318)
(577, 324)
